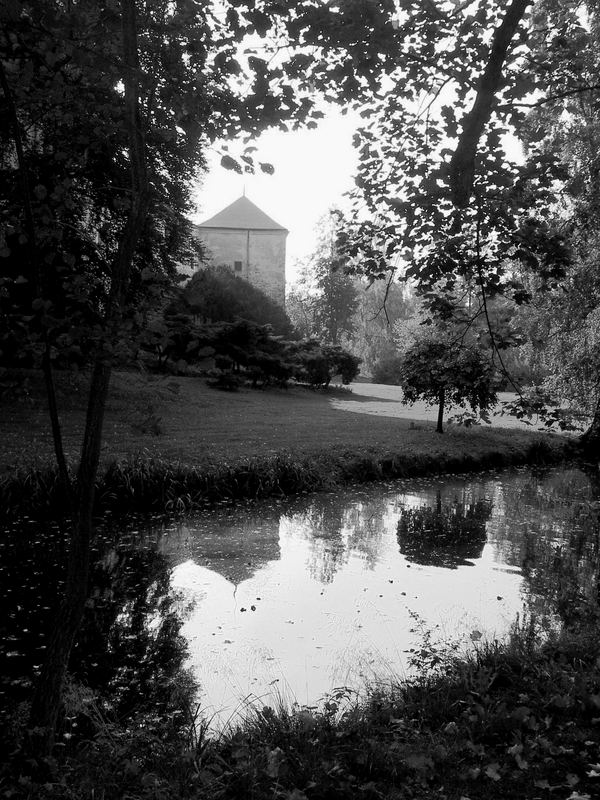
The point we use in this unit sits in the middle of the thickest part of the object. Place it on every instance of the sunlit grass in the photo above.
(181, 419)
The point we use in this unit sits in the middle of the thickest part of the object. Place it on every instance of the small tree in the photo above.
(437, 371)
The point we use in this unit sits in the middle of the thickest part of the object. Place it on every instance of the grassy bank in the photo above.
(513, 721)
(519, 720)
(149, 484)
(173, 444)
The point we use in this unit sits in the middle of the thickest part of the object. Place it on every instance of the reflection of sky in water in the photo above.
(310, 637)
(329, 598)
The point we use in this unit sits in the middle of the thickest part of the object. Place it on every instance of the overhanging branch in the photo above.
(462, 164)
(551, 98)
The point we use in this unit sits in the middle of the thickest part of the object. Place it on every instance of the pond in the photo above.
(295, 598)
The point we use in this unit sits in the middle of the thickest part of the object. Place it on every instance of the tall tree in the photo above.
(383, 307)
(568, 125)
(443, 196)
(46, 699)
(327, 299)
(106, 110)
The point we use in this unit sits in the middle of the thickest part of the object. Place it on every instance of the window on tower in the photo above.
(237, 266)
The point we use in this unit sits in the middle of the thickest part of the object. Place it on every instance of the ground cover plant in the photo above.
(510, 721)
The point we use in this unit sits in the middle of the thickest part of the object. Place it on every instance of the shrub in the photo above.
(217, 295)
(342, 363)
(317, 364)
(224, 379)
(387, 370)
(253, 351)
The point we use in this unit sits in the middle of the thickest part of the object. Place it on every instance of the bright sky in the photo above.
(313, 169)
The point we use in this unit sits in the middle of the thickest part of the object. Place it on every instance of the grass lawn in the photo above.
(182, 419)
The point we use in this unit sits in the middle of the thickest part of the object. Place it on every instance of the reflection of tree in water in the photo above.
(130, 649)
(366, 523)
(550, 528)
(447, 535)
(129, 653)
(337, 530)
(563, 567)
(323, 526)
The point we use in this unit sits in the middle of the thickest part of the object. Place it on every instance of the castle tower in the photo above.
(250, 243)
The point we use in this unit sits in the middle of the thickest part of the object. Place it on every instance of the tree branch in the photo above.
(480, 281)
(462, 164)
(551, 98)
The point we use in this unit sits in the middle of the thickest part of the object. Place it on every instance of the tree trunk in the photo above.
(462, 164)
(34, 263)
(48, 692)
(440, 419)
(45, 705)
(590, 441)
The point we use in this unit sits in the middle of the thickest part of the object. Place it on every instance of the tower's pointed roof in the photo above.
(242, 213)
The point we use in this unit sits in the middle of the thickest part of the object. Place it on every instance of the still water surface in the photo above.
(293, 599)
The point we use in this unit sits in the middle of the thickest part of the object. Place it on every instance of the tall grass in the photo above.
(148, 484)
(510, 720)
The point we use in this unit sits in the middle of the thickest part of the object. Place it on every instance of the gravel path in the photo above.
(386, 401)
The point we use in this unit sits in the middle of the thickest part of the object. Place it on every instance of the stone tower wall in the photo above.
(260, 254)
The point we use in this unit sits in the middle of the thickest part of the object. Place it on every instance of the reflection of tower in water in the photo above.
(235, 545)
